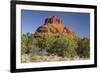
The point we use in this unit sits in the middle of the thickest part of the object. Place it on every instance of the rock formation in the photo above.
(55, 26)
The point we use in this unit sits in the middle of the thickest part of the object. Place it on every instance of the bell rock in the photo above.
(55, 25)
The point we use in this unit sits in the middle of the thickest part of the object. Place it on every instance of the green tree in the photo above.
(46, 41)
(59, 46)
(71, 47)
(28, 43)
(24, 41)
(84, 48)
(64, 47)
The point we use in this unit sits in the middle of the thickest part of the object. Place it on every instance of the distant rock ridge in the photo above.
(55, 26)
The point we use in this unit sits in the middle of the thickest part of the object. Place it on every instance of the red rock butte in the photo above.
(55, 26)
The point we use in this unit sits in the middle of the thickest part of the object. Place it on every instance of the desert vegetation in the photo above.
(49, 48)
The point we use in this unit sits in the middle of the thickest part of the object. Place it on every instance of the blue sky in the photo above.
(79, 22)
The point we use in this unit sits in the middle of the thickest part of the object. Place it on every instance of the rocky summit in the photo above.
(55, 26)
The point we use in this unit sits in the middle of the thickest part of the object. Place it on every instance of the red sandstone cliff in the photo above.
(56, 27)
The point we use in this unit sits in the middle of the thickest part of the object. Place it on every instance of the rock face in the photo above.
(55, 26)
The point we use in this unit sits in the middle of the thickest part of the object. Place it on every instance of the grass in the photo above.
(27, 58)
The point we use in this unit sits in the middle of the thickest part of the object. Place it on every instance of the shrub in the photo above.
(28, 42)
(64, 47)
(84, 48)
(24, 41)
(58, 46)
(46, 41)
(71, 48)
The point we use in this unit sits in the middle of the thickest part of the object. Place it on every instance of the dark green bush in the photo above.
(28, 42)
(64, 47)
(59, 46)
(71, 48)
(84, 48)
(24, 41)
(46, 41)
